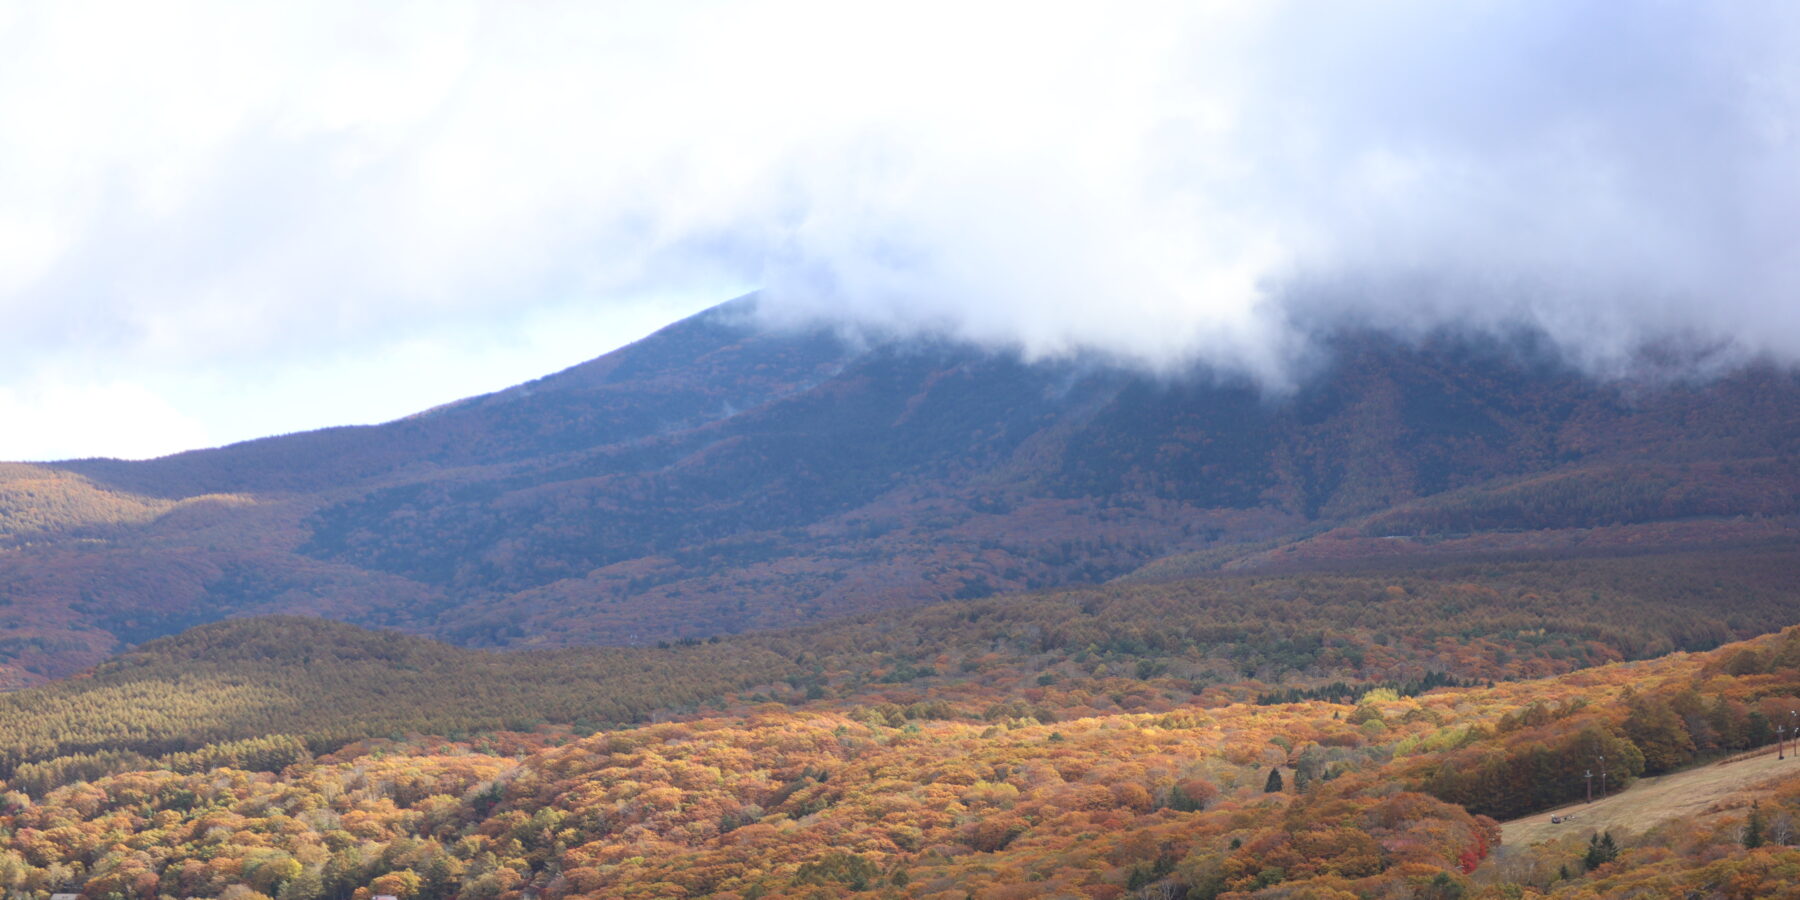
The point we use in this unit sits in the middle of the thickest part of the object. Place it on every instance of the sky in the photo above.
(225, 220)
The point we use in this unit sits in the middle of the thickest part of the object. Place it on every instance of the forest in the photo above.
(1126, 647)
(1126, 742)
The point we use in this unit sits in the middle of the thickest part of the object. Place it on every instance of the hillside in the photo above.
(988, 773)
(721, 477)
(1695, 793)
(1123, 648)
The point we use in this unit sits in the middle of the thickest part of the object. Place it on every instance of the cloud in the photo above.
(127, 417)
(1617, 176)
(246, 188)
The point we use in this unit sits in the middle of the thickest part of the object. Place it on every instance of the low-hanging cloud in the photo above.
(1618, 176)
(1164, 183)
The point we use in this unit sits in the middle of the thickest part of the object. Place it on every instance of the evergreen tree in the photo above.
(1755, 828)
(1601, 850)
(1273, 785)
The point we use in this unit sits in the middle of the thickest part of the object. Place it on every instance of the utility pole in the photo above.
(1603, 776)
(1590, 784)
(1780, 742)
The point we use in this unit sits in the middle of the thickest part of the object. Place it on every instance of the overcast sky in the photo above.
(224, 220)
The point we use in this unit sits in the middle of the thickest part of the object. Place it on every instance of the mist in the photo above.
(196, 191)
(1624, 179)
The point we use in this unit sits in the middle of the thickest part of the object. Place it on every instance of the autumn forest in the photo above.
(1304, 735)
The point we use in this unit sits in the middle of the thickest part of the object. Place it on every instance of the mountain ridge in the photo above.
(720, 476)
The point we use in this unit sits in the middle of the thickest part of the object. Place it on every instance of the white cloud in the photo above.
(272, 190)
(59, 419)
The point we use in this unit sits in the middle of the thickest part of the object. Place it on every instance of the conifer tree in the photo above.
(1755, 828)
(1601, 850)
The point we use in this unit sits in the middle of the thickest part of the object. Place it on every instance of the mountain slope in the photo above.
(720, 476)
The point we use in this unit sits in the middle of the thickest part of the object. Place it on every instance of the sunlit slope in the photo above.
(969, 774)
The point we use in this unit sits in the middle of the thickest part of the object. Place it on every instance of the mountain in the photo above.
(723, 476)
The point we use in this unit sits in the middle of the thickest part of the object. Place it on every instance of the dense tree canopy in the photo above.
(910, 778)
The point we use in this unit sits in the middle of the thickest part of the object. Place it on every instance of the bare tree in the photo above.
(1781, 829)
